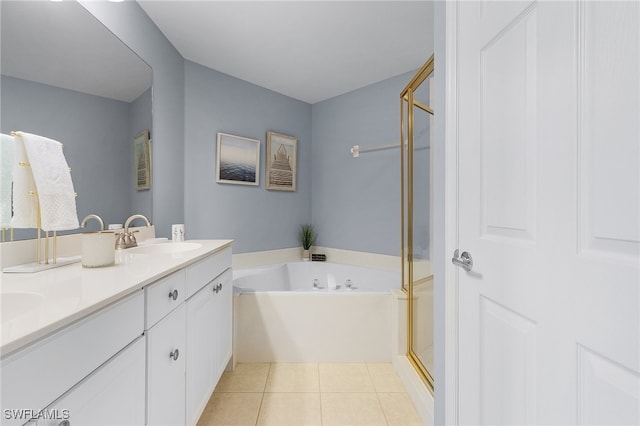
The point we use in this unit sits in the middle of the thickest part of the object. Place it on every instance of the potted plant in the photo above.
(307, 237)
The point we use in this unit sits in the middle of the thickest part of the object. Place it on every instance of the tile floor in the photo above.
(310, 394)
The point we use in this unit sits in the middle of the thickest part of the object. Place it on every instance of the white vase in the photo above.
(305, 254)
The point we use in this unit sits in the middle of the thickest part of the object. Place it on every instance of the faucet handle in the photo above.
(121, 243)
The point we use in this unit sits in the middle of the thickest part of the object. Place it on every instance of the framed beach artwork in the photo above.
(142, 160)
(282, 151)
(238, 160)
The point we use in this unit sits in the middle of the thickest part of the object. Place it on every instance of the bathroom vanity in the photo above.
(141, 342)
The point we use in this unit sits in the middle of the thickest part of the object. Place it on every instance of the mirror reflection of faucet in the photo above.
(95, 217)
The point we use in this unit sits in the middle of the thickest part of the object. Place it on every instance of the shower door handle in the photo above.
(465, 261)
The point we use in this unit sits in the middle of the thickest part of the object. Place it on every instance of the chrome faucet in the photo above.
(126, 239)
(92, 216)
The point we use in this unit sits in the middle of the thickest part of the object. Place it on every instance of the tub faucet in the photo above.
(92, 216)
(348, 284)
(126, 239)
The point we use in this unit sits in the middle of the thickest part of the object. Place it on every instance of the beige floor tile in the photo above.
(399, 410)
(344, 377)
(293, 378)
(351, 409)
(384, 378)
(245, 378)
(231, 409)
(290, 409)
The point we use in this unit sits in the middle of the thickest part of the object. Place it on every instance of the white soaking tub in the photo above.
(280, 316)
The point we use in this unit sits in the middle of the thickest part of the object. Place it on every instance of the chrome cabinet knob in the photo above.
(173, 294)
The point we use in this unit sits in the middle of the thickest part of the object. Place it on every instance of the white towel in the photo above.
(7, 153)
(53, 182)
(25, 206)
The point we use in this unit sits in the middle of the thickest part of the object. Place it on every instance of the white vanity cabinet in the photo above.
(74, 368)
(209, 329)
(134, 349)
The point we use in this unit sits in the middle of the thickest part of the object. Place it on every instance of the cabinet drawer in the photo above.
(37, 375)
(164, 296)
(199, 274)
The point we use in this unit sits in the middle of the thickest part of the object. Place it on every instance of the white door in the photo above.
(548, 204)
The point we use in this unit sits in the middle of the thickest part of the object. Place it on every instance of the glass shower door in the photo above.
(417, 228)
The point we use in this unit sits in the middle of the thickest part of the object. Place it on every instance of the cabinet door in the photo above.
(201, 350)
(166, 370)
(224, 322)
(112, 395)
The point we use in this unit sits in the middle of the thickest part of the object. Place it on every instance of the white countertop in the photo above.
(63, 295)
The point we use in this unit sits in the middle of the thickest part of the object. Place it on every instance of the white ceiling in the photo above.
(308, 50)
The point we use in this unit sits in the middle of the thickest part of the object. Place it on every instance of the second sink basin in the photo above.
(166, 248)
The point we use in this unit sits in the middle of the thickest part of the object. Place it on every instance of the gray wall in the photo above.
(356, 201)
(129, 23)
(255, 218)
(95, 134)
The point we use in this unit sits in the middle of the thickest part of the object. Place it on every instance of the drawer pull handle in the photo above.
(173, 295)
(174, 355)
(217, 288)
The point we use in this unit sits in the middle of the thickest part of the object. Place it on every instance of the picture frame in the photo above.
(142, 160)
(281, 162)
(237, 160)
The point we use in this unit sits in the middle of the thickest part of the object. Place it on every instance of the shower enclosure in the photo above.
(417, 220)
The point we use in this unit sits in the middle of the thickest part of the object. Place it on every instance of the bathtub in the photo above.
(280, 316)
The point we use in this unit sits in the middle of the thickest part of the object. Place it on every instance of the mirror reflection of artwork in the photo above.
(142, 160)
(238, 160)
(281, 162)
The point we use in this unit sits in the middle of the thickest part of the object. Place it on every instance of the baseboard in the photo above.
(267, 257)
(348, 257)
(420, 396)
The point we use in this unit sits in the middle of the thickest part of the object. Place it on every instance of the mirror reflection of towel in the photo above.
(7, 154)
(25, 207)
(53, 182)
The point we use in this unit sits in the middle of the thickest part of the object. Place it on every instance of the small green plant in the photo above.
(307, 237)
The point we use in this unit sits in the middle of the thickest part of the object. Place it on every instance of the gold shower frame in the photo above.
(406, 98)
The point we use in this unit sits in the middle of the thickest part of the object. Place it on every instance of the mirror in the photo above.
(67, 77)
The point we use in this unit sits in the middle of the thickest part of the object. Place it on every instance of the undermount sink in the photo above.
(166, 248)
(19, 309)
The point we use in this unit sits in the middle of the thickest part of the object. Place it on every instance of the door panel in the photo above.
(609, 130)
(508, 116)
